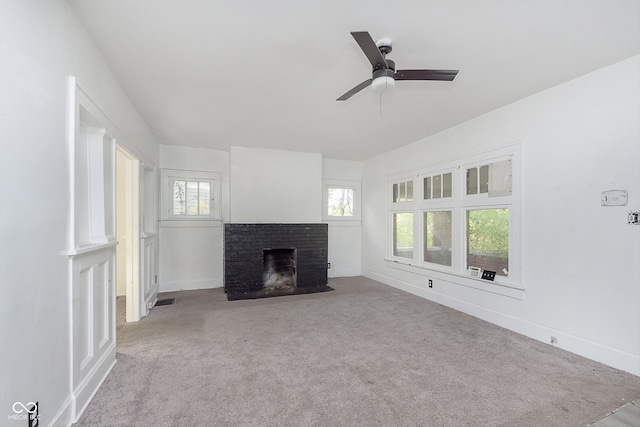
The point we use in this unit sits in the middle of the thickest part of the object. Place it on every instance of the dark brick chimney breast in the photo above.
(264, 260)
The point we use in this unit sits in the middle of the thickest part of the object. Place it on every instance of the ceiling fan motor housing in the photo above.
(384, 73)
(388, 72)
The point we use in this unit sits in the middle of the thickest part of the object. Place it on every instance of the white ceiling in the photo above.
(214, 73)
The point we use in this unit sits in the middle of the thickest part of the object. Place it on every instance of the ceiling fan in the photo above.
(384, 70)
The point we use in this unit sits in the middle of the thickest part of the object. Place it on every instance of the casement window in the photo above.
(487, 236)
(190, 195)
(403, 234)
(341, 200)
(467, 219)
(437, 237)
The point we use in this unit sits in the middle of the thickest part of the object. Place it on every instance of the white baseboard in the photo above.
(85, 391)
(64, 415)
(343, 273)
(190, 285)
(592, 350)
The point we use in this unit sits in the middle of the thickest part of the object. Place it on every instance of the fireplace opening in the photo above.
(279, 269)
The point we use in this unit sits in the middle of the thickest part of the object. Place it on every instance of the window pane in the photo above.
(204, 198)
(446, 185)
(340, 201)
(427, 188)
(437, 185)
(179, 197)
(409, 191)
(484, 179)
(401, 196)
(488, 239)
(403, 234)
(472, 181)
(395, 193)
(437, 237)
(192, 198)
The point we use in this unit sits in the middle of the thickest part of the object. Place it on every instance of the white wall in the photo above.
(191, 256)
(580, 260)
(41, 43)
(345, 237)
(275, 186)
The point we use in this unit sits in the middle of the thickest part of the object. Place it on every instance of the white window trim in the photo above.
(403, 205)
(170, 220)
(400, 207)
(355, 186)
(459, 203)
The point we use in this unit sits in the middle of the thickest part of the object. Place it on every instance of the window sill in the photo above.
(88, 248)
(190, 222)
(496, 287)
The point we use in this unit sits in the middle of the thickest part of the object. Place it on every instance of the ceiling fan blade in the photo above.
(355, 90)
(446, 75)
(370, 49)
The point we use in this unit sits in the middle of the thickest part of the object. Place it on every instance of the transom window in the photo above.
(403, 192)
(437, 186)
(478, 180)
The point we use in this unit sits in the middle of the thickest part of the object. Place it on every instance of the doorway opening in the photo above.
(128, 234)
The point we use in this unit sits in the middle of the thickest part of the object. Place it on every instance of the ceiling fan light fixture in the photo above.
(382, 84)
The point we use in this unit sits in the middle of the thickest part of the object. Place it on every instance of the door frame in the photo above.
(131, 197)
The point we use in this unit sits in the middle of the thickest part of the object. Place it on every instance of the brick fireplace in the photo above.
(264, 260)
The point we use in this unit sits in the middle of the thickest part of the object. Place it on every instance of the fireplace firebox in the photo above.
(279, 269)
(265, 260)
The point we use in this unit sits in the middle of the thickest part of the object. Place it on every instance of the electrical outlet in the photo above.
(328, 265)
(430, 283)
(554, 340)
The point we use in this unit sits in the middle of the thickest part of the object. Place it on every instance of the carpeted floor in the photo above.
(362, 355)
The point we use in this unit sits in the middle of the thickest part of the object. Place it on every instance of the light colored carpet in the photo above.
(362, 355)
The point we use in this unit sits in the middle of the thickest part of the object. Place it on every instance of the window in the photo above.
(403, 192)
(191, 198)
(487, 233)
(466, 217)
(341, 200)
(478, 180)
(403, 234)
(190, 195)
(437, 237)
(437, 186)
